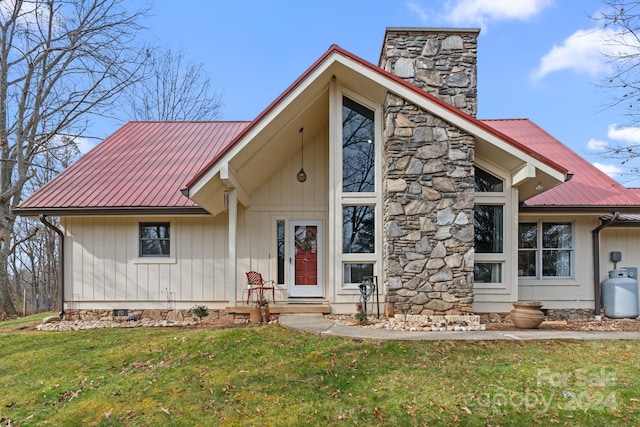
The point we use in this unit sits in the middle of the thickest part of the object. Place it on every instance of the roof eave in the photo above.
(402, 88)
(580, 209)
(120, 211)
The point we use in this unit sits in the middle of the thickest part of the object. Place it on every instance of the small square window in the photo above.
(155, 239)
(355, 273)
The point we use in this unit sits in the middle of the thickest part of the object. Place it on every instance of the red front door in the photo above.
(306, 251)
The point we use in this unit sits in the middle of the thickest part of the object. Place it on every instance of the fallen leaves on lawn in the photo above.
(465, 409)
(378, 413)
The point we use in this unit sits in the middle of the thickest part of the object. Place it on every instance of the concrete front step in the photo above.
(282, 308)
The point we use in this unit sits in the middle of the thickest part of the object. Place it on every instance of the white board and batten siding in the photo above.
(283, 198)
(107, 271)
(575, 292)
(624, 240)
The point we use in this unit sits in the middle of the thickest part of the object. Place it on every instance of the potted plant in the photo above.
(260, 314)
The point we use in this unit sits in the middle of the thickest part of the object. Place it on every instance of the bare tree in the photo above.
(61, 61)
(173, 89)
(621, 19)
(34, 260)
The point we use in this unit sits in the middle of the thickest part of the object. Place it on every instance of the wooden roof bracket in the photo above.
(230, 181)
(525, 173)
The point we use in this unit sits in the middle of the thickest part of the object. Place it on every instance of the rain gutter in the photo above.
(43, 219)
(596, 259)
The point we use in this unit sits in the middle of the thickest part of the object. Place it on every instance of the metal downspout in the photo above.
(596, 260)
(43, 219)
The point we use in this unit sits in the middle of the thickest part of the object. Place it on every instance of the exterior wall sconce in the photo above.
(301, 176)
(539, 187)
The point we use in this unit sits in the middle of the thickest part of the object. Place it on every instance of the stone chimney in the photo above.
(428, 176)
(443, 62)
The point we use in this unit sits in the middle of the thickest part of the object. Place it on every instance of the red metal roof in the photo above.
(335, 49)
(146, 164)
(588, 186)
(142, 165)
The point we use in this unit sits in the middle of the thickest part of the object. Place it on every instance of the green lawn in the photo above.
(273, 376)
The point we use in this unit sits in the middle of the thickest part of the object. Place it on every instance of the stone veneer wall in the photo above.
(443, 62)
(428, 212)
(428, 179)
(152, 315)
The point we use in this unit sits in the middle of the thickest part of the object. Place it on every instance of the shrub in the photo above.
(200, 311)
(361, 317)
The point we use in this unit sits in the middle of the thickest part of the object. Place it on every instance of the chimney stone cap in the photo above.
(442, 30)
(424, 30)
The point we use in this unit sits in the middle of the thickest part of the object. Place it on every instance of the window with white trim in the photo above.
(489, 227)
(545, 249)
(155, 239)
(358, 148)
(357, 194)
(280, 250)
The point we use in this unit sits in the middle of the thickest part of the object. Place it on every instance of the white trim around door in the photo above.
(306, 260)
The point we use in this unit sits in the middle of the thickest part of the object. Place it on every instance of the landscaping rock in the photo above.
(51, 319)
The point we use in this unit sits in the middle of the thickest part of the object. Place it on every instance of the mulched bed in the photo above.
(605, 324)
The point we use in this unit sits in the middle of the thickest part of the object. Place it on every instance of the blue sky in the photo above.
(537, 59)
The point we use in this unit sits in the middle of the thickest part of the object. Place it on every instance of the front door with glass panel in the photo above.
(305, 251)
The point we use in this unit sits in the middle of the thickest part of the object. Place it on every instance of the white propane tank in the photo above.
(620, 295)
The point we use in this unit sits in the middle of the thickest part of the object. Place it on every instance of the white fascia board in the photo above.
(264, 121)
(204, 179)
(450, 116)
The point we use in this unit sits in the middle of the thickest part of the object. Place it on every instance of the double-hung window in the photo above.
(545, 249)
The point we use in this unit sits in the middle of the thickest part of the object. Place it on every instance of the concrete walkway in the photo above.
(317, 323)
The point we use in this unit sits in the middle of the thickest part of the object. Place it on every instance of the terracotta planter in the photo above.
(265, 315)
(527, 315)
(255, 316)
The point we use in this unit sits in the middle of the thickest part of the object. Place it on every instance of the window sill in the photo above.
(154, 260)
(549, 281)
(350, 289)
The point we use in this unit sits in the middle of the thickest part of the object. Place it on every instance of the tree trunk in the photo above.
(7, 307)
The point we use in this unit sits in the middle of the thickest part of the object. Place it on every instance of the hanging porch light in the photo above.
(301, 176)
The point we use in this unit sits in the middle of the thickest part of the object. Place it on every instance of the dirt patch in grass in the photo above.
(223, 322)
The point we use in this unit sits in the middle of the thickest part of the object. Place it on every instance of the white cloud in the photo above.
(611, 170)
(589, 51)
(479, 12)
(579, 52)
(625, 134)
(29, 13)
(597, 145)
(85, 145)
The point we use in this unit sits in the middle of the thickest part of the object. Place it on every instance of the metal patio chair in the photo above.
(257, 285)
